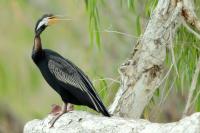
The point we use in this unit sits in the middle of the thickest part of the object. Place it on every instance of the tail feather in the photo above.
(98, 106)
(105, 112)
(91, 91)
(101, 107)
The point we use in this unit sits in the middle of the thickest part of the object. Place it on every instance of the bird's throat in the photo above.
(37, 47)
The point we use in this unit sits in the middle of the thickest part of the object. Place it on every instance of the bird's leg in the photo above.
(56, 109)
(63, 111)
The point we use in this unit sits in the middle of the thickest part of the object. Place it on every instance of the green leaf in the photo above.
(197, 105)
(131, 5)
(94, 22)
(138, 25)
(157, 92)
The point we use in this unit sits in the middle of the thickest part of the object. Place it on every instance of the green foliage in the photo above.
(197, 104)
(94, 21)
(186, 55)
(157, 92)
(22, 86)
(131, 4)
(104, 87)
(138, 27)
(149, 6)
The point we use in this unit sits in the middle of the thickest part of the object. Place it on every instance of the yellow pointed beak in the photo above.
(56, 19)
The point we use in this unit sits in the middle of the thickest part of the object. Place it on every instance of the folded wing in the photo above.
(67, 73)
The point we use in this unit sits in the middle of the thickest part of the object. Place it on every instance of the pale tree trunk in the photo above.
(141, 74)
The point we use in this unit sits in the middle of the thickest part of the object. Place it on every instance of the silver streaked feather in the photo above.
(68, 76)
(65, 73)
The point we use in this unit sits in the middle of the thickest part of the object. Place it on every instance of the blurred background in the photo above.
(99, 38)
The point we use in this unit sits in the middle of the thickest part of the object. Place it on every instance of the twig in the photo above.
(111, 79)
(121, 33)
(190, 29)
(163, 97)
(195, 98)
(172, 52)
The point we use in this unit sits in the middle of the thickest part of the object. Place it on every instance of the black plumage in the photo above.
(62, 75)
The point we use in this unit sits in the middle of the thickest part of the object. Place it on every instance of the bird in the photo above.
(68, 80)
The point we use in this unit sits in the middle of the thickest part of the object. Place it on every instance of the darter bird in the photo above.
(63, 76)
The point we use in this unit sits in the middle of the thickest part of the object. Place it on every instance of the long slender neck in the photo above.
(37, 47)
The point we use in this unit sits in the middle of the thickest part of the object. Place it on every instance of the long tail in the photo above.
(101, 107)
(98, 104)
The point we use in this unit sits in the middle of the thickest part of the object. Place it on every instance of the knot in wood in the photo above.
(154, 70)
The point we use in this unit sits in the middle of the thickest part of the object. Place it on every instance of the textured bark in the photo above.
(83, 122)
(142, 73)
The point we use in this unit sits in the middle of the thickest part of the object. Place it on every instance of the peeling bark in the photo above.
(83, 122)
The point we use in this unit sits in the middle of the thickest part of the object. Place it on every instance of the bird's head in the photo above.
(45, 21)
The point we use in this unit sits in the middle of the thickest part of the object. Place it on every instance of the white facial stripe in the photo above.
(43, 22)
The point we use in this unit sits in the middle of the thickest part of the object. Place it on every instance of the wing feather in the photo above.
(67, 74)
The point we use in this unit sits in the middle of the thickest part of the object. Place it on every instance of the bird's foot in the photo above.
(55, 109)
(55, 118)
